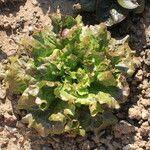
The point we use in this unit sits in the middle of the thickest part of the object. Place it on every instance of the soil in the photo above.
(19, 18)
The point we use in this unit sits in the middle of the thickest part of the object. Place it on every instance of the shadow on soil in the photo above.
(10, 7)
(134, 26)
(65, 6)
(3, 55)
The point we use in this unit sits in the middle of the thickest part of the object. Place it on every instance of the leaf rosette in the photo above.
(70, 77)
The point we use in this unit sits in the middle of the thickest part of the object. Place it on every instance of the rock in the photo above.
(147, 93)
(2, 92)
(140, 148)
(10, 119)
(137, 61)
(127, 147)
(19, 124)
(147, 145)
(145, 124)
(7, 25)
(34, 2)
(145, 84)
(123, 131)
(10, 129)
(11, 52)
(145, 114)
(145, 129)
(142, 144)
(127, 127)
(137, 137)
(145, 102)
(30, 28)
(135, 113)
(12, 145)
(139, 75)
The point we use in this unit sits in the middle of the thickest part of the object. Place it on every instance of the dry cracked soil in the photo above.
(19, 18)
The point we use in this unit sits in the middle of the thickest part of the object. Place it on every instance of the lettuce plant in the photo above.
(110, 11)
(70, 77)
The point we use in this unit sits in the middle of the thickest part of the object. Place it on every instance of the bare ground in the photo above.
(132, 132)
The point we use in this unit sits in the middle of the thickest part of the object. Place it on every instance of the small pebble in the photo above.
(127, 147)
(145, 114)
(19, 124)
(30, 29)
(135, 113)
(139, 75)
(2, 92)
(34, 2)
